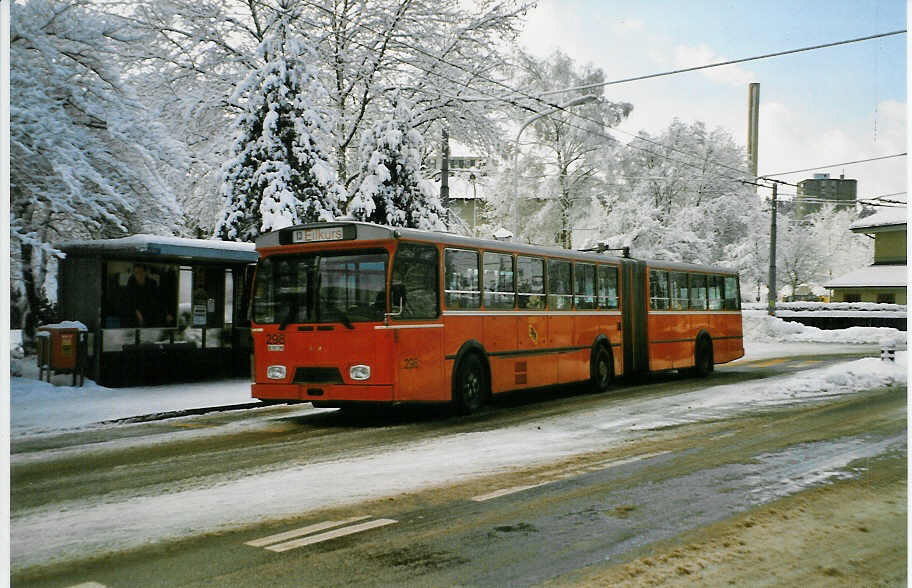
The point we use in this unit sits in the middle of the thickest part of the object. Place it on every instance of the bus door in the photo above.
(633, 305)
(416, 325)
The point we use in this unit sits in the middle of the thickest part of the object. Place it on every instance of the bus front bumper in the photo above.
(323, 392)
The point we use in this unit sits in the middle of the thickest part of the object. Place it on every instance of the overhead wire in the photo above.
(835, 165)
(729, 62)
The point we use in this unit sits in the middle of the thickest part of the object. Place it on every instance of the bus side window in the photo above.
(530, 282)
(607, 287)
(697, 292)
(560, 294)
(584, 280)
(732, 298)
(498, 280)
(679, 299)
(460, 276)
(414, 281)
(658, 290)
(715, 292)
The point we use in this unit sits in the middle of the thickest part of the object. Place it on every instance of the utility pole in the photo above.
(753, 125)
(445, 176)
(771, 296)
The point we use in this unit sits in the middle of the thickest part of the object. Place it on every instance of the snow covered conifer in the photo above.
(281, 173)
(392, 191)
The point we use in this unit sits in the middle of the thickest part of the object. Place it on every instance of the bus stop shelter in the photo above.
(159, 309)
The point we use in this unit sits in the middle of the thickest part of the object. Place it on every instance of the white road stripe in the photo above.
(563, 474)
(88, 585)
(331, 535)
(302, 531)
(505, 491)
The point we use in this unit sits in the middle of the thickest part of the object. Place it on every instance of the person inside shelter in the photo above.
(142, 298)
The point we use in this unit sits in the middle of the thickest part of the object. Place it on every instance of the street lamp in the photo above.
(575, 102)
(474, 206)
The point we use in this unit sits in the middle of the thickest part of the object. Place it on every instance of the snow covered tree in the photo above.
(678, 197)
(281, 173)
(442, 54)
(568, 145)
(392, 191)
(819, 247)
(86, 156)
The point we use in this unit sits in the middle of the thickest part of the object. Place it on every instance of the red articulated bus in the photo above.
(346, 313)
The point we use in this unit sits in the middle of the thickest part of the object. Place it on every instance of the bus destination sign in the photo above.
(318, 234)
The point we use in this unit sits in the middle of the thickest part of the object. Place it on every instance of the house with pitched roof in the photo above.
(886, 280)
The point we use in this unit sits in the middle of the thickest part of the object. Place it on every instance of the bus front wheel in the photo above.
(470, 386)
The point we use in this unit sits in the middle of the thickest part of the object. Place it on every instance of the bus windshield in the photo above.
(323, 287)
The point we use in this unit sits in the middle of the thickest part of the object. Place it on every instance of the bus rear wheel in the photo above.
(470, 386)
(602, 369)
(703, 358)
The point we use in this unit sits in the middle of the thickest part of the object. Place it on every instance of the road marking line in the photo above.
(331, 535)
(563, 474)
(264, 541)
(768, 363)
(505, 491)
(88, 585)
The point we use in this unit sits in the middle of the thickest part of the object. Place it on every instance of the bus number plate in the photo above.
(322, 234)
(275, 342)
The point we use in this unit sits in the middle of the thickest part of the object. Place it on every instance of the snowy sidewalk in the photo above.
(38, 407)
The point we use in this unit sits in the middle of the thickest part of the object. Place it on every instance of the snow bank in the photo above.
(761, 328)
(816, 306)
(39, 407)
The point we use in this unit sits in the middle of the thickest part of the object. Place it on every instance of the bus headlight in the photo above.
(359, 372)
(276, 372)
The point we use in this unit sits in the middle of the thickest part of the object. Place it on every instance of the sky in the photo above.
(820, 107)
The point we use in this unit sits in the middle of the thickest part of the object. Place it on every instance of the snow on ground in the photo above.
(71, 529)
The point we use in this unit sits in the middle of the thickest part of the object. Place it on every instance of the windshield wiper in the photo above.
(292, 311)
(343, 317)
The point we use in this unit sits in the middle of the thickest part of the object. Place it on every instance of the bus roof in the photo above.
(360, 231)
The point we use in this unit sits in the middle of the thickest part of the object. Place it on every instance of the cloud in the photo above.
(792, 140)
(687, 56)
(627, 25)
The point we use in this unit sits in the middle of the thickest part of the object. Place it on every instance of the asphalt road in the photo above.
(522, 527)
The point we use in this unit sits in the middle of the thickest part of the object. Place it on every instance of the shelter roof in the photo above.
(157, 246)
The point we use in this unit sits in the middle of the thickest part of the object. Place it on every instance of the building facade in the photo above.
(815, 193)
(884, 281)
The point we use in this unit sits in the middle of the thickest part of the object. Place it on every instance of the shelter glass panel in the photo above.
(139, 294)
